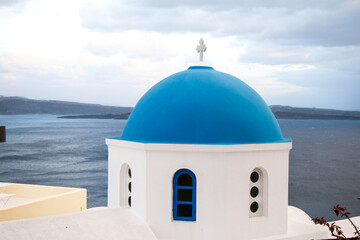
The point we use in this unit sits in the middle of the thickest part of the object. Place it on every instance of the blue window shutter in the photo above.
(184, 210)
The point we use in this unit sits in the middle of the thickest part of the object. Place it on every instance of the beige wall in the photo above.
(38, 201)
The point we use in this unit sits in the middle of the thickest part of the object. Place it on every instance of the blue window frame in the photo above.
(184, 195)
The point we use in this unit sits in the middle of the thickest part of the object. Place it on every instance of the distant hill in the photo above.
(19, 105)
(287, 112)
(99, 116)
(280, 112)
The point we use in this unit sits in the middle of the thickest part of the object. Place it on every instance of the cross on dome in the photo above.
(201, 48)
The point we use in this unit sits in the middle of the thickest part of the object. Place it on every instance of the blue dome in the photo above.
(202, 106)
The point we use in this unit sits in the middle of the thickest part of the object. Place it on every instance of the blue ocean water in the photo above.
(324, 165)
(44, 149)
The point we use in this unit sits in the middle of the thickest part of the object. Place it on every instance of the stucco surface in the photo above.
(31, 201)
(100, 223)
(223, 185)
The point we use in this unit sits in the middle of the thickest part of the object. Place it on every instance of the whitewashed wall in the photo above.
(223, 175)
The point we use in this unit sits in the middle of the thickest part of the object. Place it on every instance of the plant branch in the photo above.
(356, 228)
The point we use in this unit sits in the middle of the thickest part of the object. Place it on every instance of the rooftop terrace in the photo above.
(21, 201)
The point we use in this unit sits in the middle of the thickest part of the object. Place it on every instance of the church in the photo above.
(201, 157)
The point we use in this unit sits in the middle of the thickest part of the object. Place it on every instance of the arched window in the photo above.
(184, 195)
(256, 193)
(125, 185)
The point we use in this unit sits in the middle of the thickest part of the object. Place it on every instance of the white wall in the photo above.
(223, 175)
(136, 159)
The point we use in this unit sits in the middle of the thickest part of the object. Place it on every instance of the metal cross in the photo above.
(201, 48)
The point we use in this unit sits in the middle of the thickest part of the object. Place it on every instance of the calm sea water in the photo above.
(43, 149)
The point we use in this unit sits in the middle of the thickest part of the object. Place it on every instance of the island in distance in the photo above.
(20, 105)
(100, 116)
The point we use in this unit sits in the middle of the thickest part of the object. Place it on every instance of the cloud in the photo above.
(11, 3)
(9, 7)
(345, 58)
(112, 81)
(227, 4)
(328, 88)
(133, 44)
(325, 23)
(292, 52)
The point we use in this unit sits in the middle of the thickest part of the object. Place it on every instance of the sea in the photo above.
(324, 165)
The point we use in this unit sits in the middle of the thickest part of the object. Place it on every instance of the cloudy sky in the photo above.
(298, 53)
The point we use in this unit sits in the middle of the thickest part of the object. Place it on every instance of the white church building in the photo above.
(201, 157)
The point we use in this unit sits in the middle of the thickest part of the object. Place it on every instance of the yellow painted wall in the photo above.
(35, 191)
(45, 201)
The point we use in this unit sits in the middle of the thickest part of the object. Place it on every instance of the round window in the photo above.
(254, 207)
(254, 192)
(254, 177)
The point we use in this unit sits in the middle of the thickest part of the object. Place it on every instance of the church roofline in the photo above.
(287, 145)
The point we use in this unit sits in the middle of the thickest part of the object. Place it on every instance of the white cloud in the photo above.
(111, 52)
(133, 44)
(328, 23)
